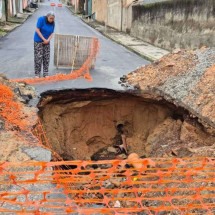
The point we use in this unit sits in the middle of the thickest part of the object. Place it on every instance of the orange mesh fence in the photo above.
(10, 110)
(39, 132)
(157, 186)
(82, 60)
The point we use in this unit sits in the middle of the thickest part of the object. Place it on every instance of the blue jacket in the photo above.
(45, 27)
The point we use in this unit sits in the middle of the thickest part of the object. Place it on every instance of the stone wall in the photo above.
(175, 24)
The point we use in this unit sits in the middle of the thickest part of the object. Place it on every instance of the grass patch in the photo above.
(2, 32)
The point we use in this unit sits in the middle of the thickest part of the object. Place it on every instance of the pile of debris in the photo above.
(17, 119)
(186, 79)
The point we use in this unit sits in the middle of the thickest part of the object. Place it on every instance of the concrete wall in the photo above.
(16, 6)
(120, 14)
(13, 8)
(175, 24)
(73, 3)
(99, 7)
(127, 16)
(115, 14)
(78, 5)
(2, 11)
(25, 3)
(109, 12)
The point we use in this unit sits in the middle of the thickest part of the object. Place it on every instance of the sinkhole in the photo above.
(87, 124)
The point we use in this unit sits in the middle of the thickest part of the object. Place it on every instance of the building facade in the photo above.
(78, 5)
(167, 24)
(114, 13)
(100, 10)
(2, 11)
(15, 7)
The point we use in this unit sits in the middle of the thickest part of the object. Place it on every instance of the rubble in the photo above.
(171, 115)
(18, 144)
(185, 78)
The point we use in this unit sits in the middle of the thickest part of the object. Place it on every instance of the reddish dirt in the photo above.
(157, 73)
(185, 78)
(83, 124)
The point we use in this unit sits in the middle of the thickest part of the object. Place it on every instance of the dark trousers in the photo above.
(41, 56)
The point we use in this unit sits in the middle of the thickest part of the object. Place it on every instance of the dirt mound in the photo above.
(185, 78)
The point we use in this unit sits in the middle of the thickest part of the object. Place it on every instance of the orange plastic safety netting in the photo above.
(82, 59)
(10, 110)
(40, 133)
(156, 186)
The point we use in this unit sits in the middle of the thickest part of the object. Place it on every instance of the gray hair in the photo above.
(50, 13)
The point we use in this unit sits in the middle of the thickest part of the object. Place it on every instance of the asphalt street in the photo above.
(114, 60)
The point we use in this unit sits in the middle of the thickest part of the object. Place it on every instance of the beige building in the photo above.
(99, 7)
(115, 13)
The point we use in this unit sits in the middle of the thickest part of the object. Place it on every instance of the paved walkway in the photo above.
(114, 61)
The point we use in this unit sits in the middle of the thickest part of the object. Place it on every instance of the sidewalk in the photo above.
(22, 17)
(14, 22)
(138, 46)
(7, 28)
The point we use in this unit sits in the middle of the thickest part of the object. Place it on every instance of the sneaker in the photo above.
(37, 76)
(45, 76)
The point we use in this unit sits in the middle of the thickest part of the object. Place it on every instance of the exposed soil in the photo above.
(170, 115)
(81, 125)
(17, 118)
(185, 78)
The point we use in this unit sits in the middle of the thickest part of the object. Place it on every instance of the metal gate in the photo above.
(72, 51)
